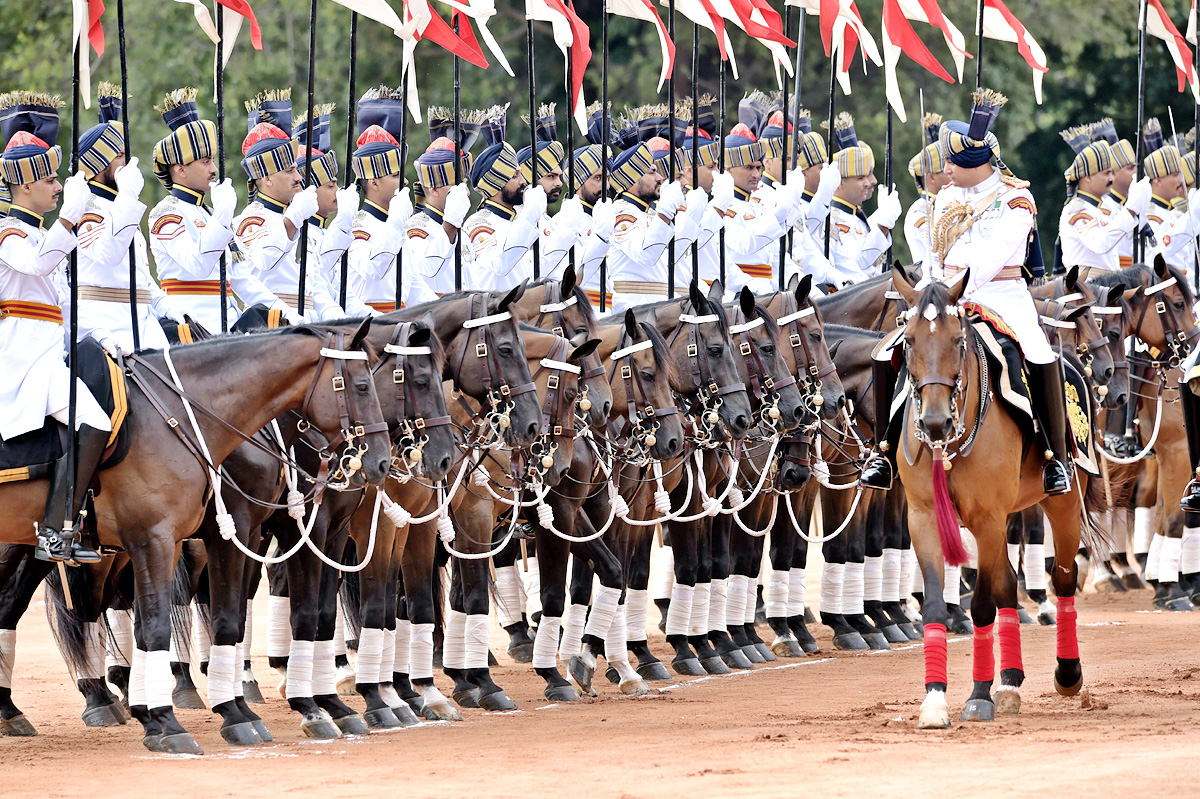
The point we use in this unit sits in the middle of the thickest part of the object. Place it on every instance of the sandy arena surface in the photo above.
(833, 724)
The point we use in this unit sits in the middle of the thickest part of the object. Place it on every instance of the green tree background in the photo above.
(1092, 52)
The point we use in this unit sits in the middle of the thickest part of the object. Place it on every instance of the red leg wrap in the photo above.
(1068, 639)
(935, 653)
(983, 665)
(1008, 630)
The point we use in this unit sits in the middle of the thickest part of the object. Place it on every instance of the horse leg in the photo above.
(372, 607)
(725, 538)
(684, 547)
(702, 601)
(637, 599)
(252, 574)
(1065, 520)
(798, 614)
(894, 546)
(510, 604)
(279, 621)
(834, 507)
(226, 571)
(777, 592)
(570, 646)
(476, 621)
(20, 575)
(662, 580)
(324, 680)
(422, 587)
(190, 561)
(995, 580)
(553, 553)
(872, 575)
(742, 593)
(922, 524)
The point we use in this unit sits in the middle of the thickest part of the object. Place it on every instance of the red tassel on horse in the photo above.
(947, 519)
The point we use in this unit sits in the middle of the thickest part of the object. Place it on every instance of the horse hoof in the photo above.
(752, 654)
(877, 641)
(713, 665)
(405, 715)
(737, 659)
(653, 671)
(786, 648)
(187, 699)
(935, 714)
(240, 734)
(688, 667)
(810, 647)
(1023, 616)
(612, 675)
(381, 719)
(894, 635)
(468, 698)
(264, 734)
(346, 681)
(440, 711)
(851, 641)
(767, 655)
(809, 618)
(978, 710)
(497, 701)
(103, 716)
(153, 743)
(252, 693)
(1007, 699)
(1067, 690)
(352, 724)
(561, 693)
(521, 653)
(1180, 604)
(962, 626)
(492, 662)
(17, 727)
(909, 630)
(322, 728)
(635, 687)
(581, 673)
(1133, 582)
(120, 710)
(181, 743)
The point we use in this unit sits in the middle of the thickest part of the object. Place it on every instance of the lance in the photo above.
(605, 140)
(887, 177)
(403, 161)
(73, 283)
(308, 143)
(1196, 157)
(1139, 244)
(533, 140)
(979, 47)
(929, 200)
(570, 151)
(671, 143)
(829, 137)
(796, 104)
(220, 73)
(133, 275)
(456, 159)
(695, 140)
(351, 124)
(784, 239)
(1191, 232)
(721, 161)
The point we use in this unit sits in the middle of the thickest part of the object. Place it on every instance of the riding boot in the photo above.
(1191, 424)
(881, 467)
(1050, 404)
(58, 537)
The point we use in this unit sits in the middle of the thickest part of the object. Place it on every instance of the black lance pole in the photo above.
(403, 161)
(220, 71)
(721, 162)
(457, 160)
(133, 274)
(796, 103)
(1196, 156)
(605, 142)
(979, 47)
(671, 145)
(73, 283)
(533, 143)
(829, 138)
(783, 240)
(351, 125)
(695, 138)
(308, 143)
(888, 179)
(571, 152)
(1139, 244)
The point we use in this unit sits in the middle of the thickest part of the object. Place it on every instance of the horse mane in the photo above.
(845, 331)
(1130, 276)
(663, 361)
(716, 308)
(581, 302)
(936, 294)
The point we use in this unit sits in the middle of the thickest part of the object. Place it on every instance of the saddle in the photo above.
(32, 455)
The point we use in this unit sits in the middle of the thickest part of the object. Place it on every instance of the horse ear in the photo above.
(567, 286)
(1130, 294)
(901, 284)
(833, 350)
(1071, 278)
(699, 303)
(746, 301)
(1114, 294)
(716, 292)
(956, 291)
(804, 289)
(1080, 311)
(583, 350)
(420, 337)
(512, 296)
(361, 333)
(902, 270)
(793, 282)
(1084, 273)
(1160, 266)
(631, 325)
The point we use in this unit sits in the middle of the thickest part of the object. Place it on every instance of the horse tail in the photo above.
(953, 551)
(181, 601)
(351, 593)
(68, 625)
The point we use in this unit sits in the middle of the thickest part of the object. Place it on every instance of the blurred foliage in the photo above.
(1092, 52)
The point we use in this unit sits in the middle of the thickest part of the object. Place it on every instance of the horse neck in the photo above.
(857, 306)
(610, 337)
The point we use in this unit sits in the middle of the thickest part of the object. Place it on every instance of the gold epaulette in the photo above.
(1014, 181)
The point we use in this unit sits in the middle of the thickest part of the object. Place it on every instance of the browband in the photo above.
(697, 320)
(396, 349)
(753, 323)
(557, 306)
(630, 350)
(1046, 320)
(1106, 309)
(1157, 287)
(486, 320)
(550, 363)
(792, 317)
(892, 295)
(1069, 297)
(347, 355)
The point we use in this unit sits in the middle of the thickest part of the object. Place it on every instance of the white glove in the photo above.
(174, 314)
(604, 218)
(669, 199)
(785, 202)
(722, 196)
(1138, 199)
(130, 181)
(75, 196)
(571, 214)
(224, 201)
(888, 211)
(111, 346)
(534, 205)
(347, 206)
(458, 203)
(400, 209)
(292, 316)
(831, 178)
(302, 207)
(697, 204)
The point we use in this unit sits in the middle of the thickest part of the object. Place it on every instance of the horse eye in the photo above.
(715, 350)
(767, 349)
(647, 375)
(505, 349)
(815, 336)
(1179, 305)
(1113, 336)
(362, 386)
(421, 382)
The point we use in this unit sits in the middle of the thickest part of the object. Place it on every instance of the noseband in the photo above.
(410, 436)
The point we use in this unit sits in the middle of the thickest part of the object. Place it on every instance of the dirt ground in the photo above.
(833, 724)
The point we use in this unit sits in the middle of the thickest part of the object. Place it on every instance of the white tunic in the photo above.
(501, 242)
(1115, 202)
(556, 238)
(590, 253)
(327, 241)
(1090, 232)
(1173, 230)
(916, 229)
(752, 236)
(857, 248)
(431, 252)
(636, 254)
(375, 253)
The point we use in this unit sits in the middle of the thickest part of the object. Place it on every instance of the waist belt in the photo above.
(384, 307)
(758, 270)
(104, 294)
(294, 300)
(594, 298)
(210, 288)
(1007, 273)
(31, 310)
(639, 287)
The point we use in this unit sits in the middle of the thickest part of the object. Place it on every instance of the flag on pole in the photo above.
(1002, 25)
(1159, 25)
(424, 23)
(243, 9)
(377, 10)
(1191, 28)
(203, 18)
(899, 37)
(644, 10)
(750, 18)
(703, 14)
(95, 26)
(842, 30)
(929, 12)
(569, 32)
(80, 25)
(481, 11)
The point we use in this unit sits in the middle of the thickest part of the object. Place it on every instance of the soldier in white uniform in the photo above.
(1172, 228)
(858, 243)
(714, 216)
(558, 233)
(37, 380)
(928, 169)
(433, 232)
(594, 238)
(821, 179)
(1124, 172)
(995, 250)
(753, 229)
(106, 231)
(186, 238)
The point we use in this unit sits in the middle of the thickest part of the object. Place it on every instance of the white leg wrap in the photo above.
(698, 620)
(403, 645)
(324, 676)
(1119, 527)
(279, 626)
(159, 681)
(637, 601)
(8, 656)
(873, 579)
(797, 591)
(421, 657)
(616, 651)
(910, 575)
(662, 573)
(572, 626)
(388, 659)
(454, 644)
(248, 636)
(833, 578)
(951, 585)
(120, 638)
(93, 666)
(1014, 556)
(852, 589)
(545, 643)
(604, 606)
(137, 678)
(1143, 530)
(239, 657)
(718, 605)
(180, 648)
(508, 595)
(339, 629)
(1189, 560)
(202, 622)
(222, 668)
(1035, 567)
(300, 669)
(775, 595)
(890, 578)
(475, 635)
(735, 600)
(370, 655)
(751, 600)
(679, 615)
(1168, 564)
(1153, 557)
(532, 584)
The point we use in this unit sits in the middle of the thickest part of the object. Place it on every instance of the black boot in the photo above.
(1191, 424)
(54, 542)
(881, 467)
(1049, 402)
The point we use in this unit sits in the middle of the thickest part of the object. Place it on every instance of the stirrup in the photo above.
(1191, 497)
(1056, 479)
(877, 473)
(51, 546)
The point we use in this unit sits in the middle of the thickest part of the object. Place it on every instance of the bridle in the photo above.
(558, 326)
(410, 434)
(556, 408)
(810, 375)
(1179, 342)
(957, 384)
(705, 408)
(640, 425)
(764, 388)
